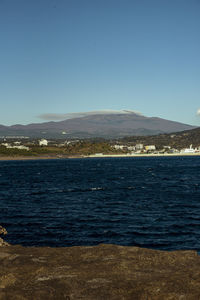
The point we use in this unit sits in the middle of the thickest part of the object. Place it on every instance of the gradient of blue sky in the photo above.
(81, 55)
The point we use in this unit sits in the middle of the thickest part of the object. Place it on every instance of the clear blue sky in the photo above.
(63, 56)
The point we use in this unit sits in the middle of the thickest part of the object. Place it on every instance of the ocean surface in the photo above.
(148, 202)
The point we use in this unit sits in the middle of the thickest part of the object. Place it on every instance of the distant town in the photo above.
(186, 142)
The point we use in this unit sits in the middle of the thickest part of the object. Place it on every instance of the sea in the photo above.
(151, 202)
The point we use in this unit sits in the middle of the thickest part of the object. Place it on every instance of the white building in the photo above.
(188, 150)
(131, 148)
(139, 146)
(43, 142)
(21, 147)
(119, 147)
(5, 144)
(150, 147)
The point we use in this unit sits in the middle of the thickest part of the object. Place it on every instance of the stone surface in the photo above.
(3, 231)
(100, 272)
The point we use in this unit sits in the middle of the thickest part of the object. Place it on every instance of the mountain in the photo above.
(114, 124)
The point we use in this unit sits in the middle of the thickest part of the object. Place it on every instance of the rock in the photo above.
(98, 272)
(4, 232)
(3, 243)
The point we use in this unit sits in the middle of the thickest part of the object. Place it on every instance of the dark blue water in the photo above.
(148, 202)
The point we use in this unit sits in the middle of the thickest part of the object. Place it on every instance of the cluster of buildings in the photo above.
(20, 146)
(140, 148)
(190, 150)
(128, 148)
(10, 143)
(15, 145)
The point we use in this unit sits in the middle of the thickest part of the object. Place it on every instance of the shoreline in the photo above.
(4, 158)
(12, 158)
(146, 155)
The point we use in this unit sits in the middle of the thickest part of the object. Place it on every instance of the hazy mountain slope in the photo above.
(99, 125)
(178, 140)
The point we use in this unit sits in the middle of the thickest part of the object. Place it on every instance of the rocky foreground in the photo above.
(107, 272)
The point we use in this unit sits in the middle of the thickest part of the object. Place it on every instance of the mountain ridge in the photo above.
(98, 125)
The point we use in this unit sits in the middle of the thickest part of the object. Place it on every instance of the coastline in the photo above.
(147, 155)
(25, 157)
(4, 158)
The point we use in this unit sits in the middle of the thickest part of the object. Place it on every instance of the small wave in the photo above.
(96, 189)
(77, 190)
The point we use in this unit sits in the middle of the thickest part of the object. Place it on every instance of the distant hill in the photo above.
(178, 140)
(105, 125)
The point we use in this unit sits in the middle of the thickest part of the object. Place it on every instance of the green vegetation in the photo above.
(87, 148)
(76, 149)
(14, 152)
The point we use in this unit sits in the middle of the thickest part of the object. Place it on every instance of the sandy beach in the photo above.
(146, 155)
